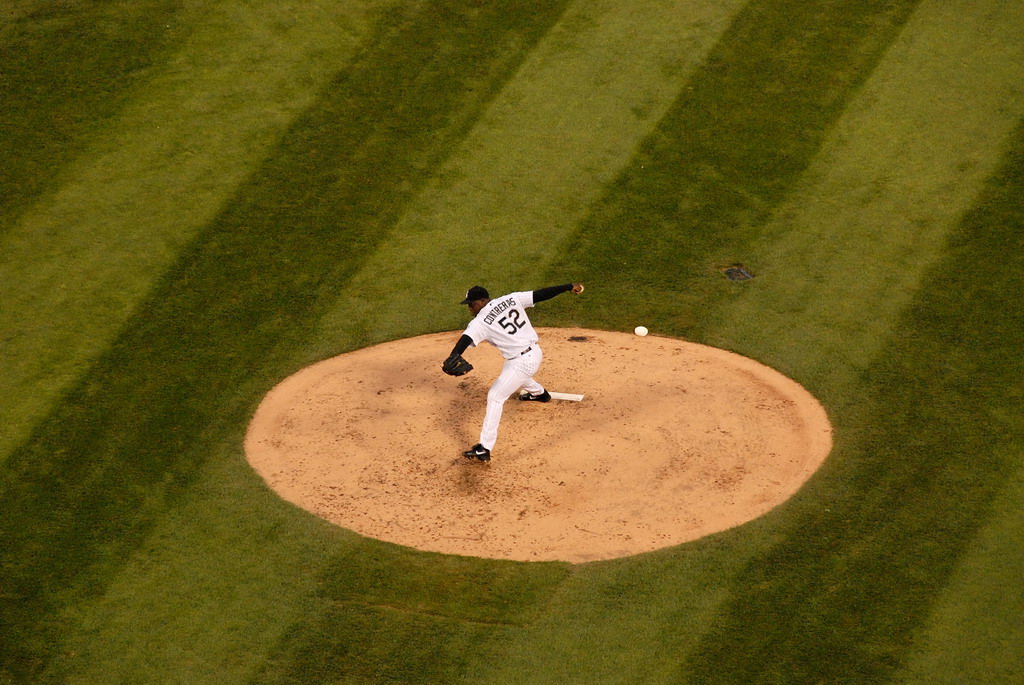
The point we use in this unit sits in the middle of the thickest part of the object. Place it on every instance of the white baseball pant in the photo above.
(517, 373)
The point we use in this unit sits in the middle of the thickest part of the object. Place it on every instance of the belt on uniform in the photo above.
(525, 351)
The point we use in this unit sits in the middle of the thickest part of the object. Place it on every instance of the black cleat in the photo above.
(478, 452)
(543, 397)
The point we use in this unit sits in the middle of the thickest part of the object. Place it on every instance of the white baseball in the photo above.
(640, 330)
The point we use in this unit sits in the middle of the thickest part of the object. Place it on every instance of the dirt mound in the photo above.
(671, 442)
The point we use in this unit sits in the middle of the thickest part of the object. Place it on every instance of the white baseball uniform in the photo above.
(503, 323)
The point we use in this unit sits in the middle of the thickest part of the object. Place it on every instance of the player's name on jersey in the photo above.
(507, 303)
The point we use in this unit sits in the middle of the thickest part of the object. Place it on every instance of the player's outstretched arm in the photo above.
(548, 293)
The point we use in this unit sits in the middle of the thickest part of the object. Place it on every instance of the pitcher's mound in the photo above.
(671, 442)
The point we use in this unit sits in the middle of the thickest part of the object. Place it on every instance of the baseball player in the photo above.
(503, 323)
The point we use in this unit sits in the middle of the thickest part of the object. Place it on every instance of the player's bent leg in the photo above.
(533, 387)
(529, 365)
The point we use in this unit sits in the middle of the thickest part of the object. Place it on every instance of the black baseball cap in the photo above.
(477, 292)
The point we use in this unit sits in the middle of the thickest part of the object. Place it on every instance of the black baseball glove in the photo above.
(455, 365)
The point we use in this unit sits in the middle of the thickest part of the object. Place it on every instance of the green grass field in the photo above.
(199, 199)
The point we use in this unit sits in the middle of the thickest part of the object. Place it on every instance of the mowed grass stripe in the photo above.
(915, 464)
(734, 144)
(846, 252)
(974, 631)
(79, 261)
(172, 395)
(564, 127)
(65, 69)
(471, 603)
(873, 546)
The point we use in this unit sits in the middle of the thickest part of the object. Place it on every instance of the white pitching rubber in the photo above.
(565, 396)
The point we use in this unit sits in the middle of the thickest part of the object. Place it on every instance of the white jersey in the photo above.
(503, 323)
